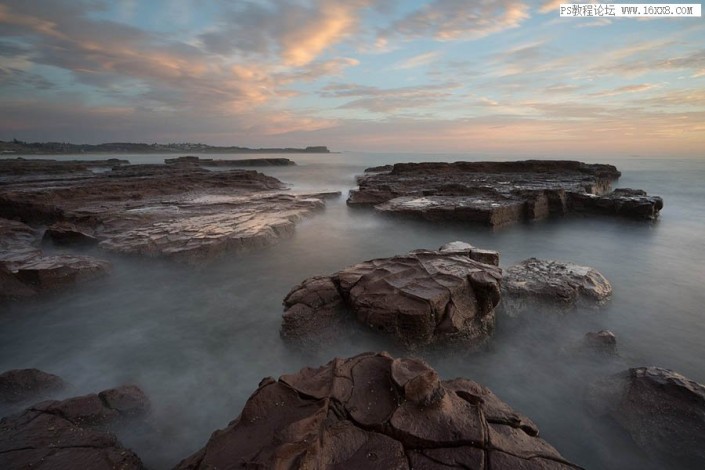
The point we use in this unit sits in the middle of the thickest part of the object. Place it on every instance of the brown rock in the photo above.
(64, 233)
(22, 385)
(183, 212)
(25, 271)
(352, 413)
(421, 298)
(553, 284)
(663, 411)
(62, 435)
(499, 193)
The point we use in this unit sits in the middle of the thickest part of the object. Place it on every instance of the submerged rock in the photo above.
(663, 411)
(63, 434)
(553, 284)
(421, 298)
(182, 212)
(21, 385)
(499, 193)
(602, 341)
(375, 412)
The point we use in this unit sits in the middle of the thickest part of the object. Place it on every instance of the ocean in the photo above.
(199, 339)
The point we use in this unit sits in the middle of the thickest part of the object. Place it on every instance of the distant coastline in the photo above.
(17, 147)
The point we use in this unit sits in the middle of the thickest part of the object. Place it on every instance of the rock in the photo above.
(106, 407)
(127, 400)
(663, 411)
(603, 341)
(21, 385)
(50, 272)
(247, 162)
(419, 299)
(183, 212)
(64, 233)
(553, 284)
(373, 411)
(26, 272)
(499, 193)
(62, 435)
(625, 202)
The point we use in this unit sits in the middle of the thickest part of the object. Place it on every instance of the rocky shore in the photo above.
(372, 410)
(183, 212)
(500, 193)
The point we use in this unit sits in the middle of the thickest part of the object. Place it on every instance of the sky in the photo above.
(442, 76)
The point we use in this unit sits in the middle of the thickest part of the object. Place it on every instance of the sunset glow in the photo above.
(495, 76)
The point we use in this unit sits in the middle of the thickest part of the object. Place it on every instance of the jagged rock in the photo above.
(663, 411)
(553, 284)
(247, 162)
(25, 271)
(375, 412)
(62, 434)
(64, 233)
(21, 385)
(499, 193)
(603, 340)
(421, 298)
(179, 211)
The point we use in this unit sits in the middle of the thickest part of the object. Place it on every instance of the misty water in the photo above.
(199, 339)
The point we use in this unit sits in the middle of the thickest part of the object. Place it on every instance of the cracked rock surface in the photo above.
(662, 410)
(66, 434)
(420, 298)
(556, 284)
(375, 412)
(183, 212)
(500, 193)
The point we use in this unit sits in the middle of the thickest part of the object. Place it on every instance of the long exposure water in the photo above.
(199, 339)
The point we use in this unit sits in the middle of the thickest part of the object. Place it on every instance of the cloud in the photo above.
(447, 20)
(387, 100)
(624, 89)
(552, 6)
(416, 61)
(297, 32)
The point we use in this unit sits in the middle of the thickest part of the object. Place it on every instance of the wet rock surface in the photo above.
(499, 193)
(183, 212)
(70, 434)
(553, 284)
(245, 162)
(663, 411)
(375, 412)
(418, 299)
(21, 385)
(26, 271)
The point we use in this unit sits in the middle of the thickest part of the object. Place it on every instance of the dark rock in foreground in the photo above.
(25, 271)
(375, 412)
(182, 212)
(663, 411)
(553, 284)
(246, 162)
(64, 434)
(421, 298)
(21, 385)
(499, 193)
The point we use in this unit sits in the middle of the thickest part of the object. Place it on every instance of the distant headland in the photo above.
(17, 147)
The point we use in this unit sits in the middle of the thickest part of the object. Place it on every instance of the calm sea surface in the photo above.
(198, 340)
